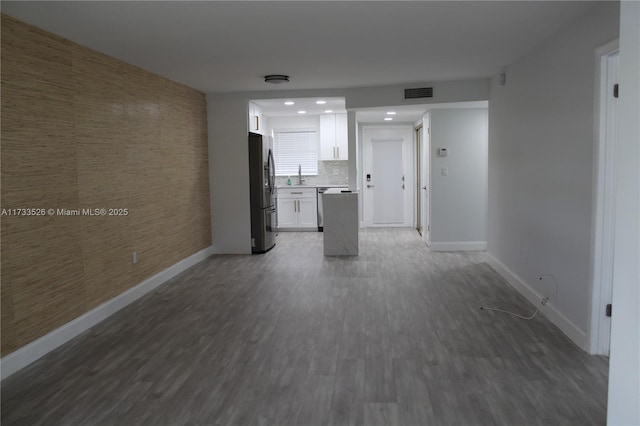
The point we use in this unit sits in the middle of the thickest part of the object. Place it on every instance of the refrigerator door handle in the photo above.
(271, 172)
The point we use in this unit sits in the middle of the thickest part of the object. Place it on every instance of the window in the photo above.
(295, 147)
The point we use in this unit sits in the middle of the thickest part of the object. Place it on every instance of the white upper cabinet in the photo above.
(327, 137)
(342, 142)
(333, 137)
(257, 122)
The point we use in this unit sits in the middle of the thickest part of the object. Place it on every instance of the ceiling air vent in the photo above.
(420, 92)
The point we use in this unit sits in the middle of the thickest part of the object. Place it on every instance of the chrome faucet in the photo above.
(300, 180)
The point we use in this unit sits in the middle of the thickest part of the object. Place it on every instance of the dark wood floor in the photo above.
(393, 336)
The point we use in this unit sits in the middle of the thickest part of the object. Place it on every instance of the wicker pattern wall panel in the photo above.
(41, 256)
(83, 130)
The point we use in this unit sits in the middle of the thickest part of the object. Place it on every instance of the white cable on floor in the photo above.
(510, 313)
(543, 302)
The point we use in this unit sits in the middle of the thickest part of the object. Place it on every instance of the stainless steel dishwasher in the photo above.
(321, 190)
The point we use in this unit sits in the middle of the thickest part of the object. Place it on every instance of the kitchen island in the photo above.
(341, 223)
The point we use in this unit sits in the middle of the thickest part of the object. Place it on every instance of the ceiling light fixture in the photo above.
(302, 112)
(329, 111)
(391, 113)
(276, 78)
(289, 103)
(388, 119)
(321, 102)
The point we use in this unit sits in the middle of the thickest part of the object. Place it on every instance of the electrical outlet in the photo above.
(134, 257)
(548, 288)
(444, 171)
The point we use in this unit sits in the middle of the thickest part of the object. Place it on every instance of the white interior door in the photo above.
(388, 178)
(388, 170)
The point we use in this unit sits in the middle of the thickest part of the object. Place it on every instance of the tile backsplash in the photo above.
(329, 173)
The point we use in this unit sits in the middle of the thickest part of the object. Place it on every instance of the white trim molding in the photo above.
(35, 350)
(458, 246)
(578, 336)
(603, 203)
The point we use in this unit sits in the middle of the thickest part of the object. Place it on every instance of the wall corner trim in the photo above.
(35, 350)
(577, 336)
(458, 246)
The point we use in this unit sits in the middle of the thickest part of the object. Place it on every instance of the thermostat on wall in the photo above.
(442, 152)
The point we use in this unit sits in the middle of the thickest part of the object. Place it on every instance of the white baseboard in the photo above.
(578, 336)
(459, 246)
(24, 356)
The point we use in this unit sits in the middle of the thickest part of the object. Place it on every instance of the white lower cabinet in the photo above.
(308, 212)
(287, 213)
(297, 209)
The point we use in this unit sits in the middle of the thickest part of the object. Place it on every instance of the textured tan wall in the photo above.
(83, 130)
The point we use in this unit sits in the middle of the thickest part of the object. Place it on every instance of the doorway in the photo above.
(388, 176)
(604, 225)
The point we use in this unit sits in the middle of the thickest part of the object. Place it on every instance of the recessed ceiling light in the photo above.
(302, 112)
(391, 113)
(388, 119)
(329, 111)
(289, 103)
(321, 102)
(276, 78)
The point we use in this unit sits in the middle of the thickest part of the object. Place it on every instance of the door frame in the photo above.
(603, 208)
(408, 164)
(418, 135)
(426, 140)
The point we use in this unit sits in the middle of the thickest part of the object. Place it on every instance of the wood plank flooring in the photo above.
(391, 337)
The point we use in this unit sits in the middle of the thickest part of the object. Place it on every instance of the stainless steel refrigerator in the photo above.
(263, 193)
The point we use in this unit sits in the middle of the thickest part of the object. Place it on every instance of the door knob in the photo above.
(424, 187)
(370, 186)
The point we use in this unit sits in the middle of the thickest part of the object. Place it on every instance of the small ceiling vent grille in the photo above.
(420, 92)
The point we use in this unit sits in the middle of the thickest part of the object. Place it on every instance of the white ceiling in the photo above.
(229, 46)
(277, 107)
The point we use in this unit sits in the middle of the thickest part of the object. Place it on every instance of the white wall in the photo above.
(624, 363)
(459, 200)
(229, 175)
(294, 122)
(379, 96)
(354, 154)
(443, 92)
(541, 133)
